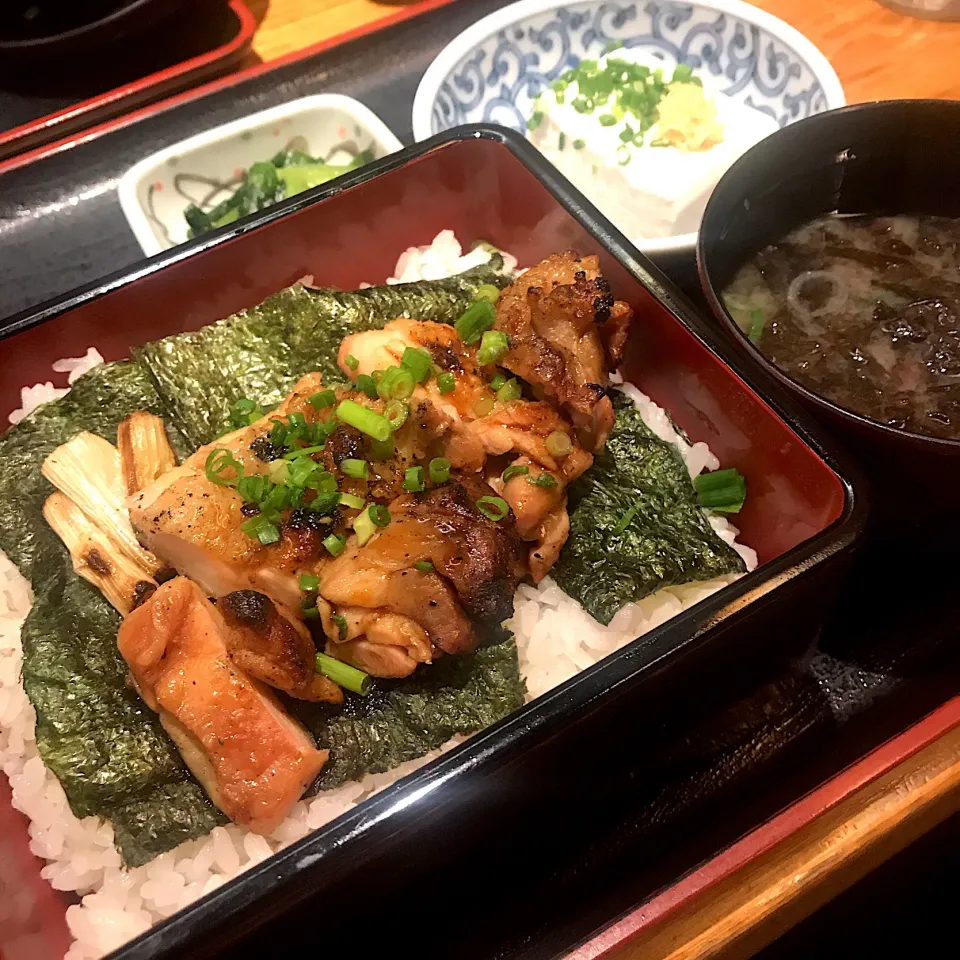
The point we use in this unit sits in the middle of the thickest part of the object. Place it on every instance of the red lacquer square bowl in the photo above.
(803, 515)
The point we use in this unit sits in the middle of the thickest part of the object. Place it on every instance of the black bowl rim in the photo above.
(942, 445)
(51, 41)
(281, 881)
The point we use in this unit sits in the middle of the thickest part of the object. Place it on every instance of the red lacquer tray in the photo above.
(231, 27)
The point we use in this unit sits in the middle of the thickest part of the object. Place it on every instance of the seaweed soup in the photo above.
(864, 311)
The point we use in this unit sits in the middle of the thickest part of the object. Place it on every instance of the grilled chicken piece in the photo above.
(552, 314)
(523, 426)
(194, 525)
(379, 349)
(477, 565)
(254, 761)
(381, 644)
(272, 645)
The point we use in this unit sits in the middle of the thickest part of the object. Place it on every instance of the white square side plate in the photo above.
(206, 168)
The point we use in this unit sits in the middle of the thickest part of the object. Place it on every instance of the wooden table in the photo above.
(878, 54)
(782, 872)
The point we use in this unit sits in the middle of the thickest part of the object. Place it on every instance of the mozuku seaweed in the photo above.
(635, 525)
(261, 352)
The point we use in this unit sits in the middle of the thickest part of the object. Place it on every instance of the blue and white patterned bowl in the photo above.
(492, 72)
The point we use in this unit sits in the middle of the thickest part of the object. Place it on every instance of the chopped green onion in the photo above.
(756, 325)
(309, 583)
(476, 319)
(497, 382)
(323, 481)
(352, 362)
(278, 498)
(297, 427)
(613, 45)
(334, 544)
(722, 490)
(341, 622)
(607, 119)
(559, 444)
(310, 613)
(260, 528)
(424, 566)
(487, 291)
(366, 384)
(350, 501)
(545, 480)
(365, 420)
(381, 449)
(623, 155)
(446, 383)
(397, 383)
(278, 433)
(493, 508)
(244, 412)
(278, 471)
(218, 465)
(682, 73)
(350, 678)
(493, 347)
(396, 412)
(323, 428)
(579, 144)
(536, 118)
(252, 489)
(364, 527)
(380, 515)
(484, 406)
(298, 452)
(624, 521)
(325, 398)
(326, 503)
(561, 140)
(413, 479)
(515, 470)
(510, 390)
(355, 469)
(439, 470)
(418, 362)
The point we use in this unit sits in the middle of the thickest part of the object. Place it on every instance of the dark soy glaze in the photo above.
(864, 311)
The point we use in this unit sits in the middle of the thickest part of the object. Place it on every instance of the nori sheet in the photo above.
(402, 720)
(261, 352)
(667, 542)
(93, 731)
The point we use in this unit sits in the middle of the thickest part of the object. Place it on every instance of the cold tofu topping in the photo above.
(647, 150)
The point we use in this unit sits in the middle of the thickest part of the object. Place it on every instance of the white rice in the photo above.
(556, 638)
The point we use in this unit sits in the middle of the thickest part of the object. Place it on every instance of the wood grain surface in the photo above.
(878, 54)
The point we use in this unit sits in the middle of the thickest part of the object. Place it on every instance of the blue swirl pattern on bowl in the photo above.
(499, 79)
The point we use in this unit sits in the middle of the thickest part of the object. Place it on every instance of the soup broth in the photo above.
(864, 311)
